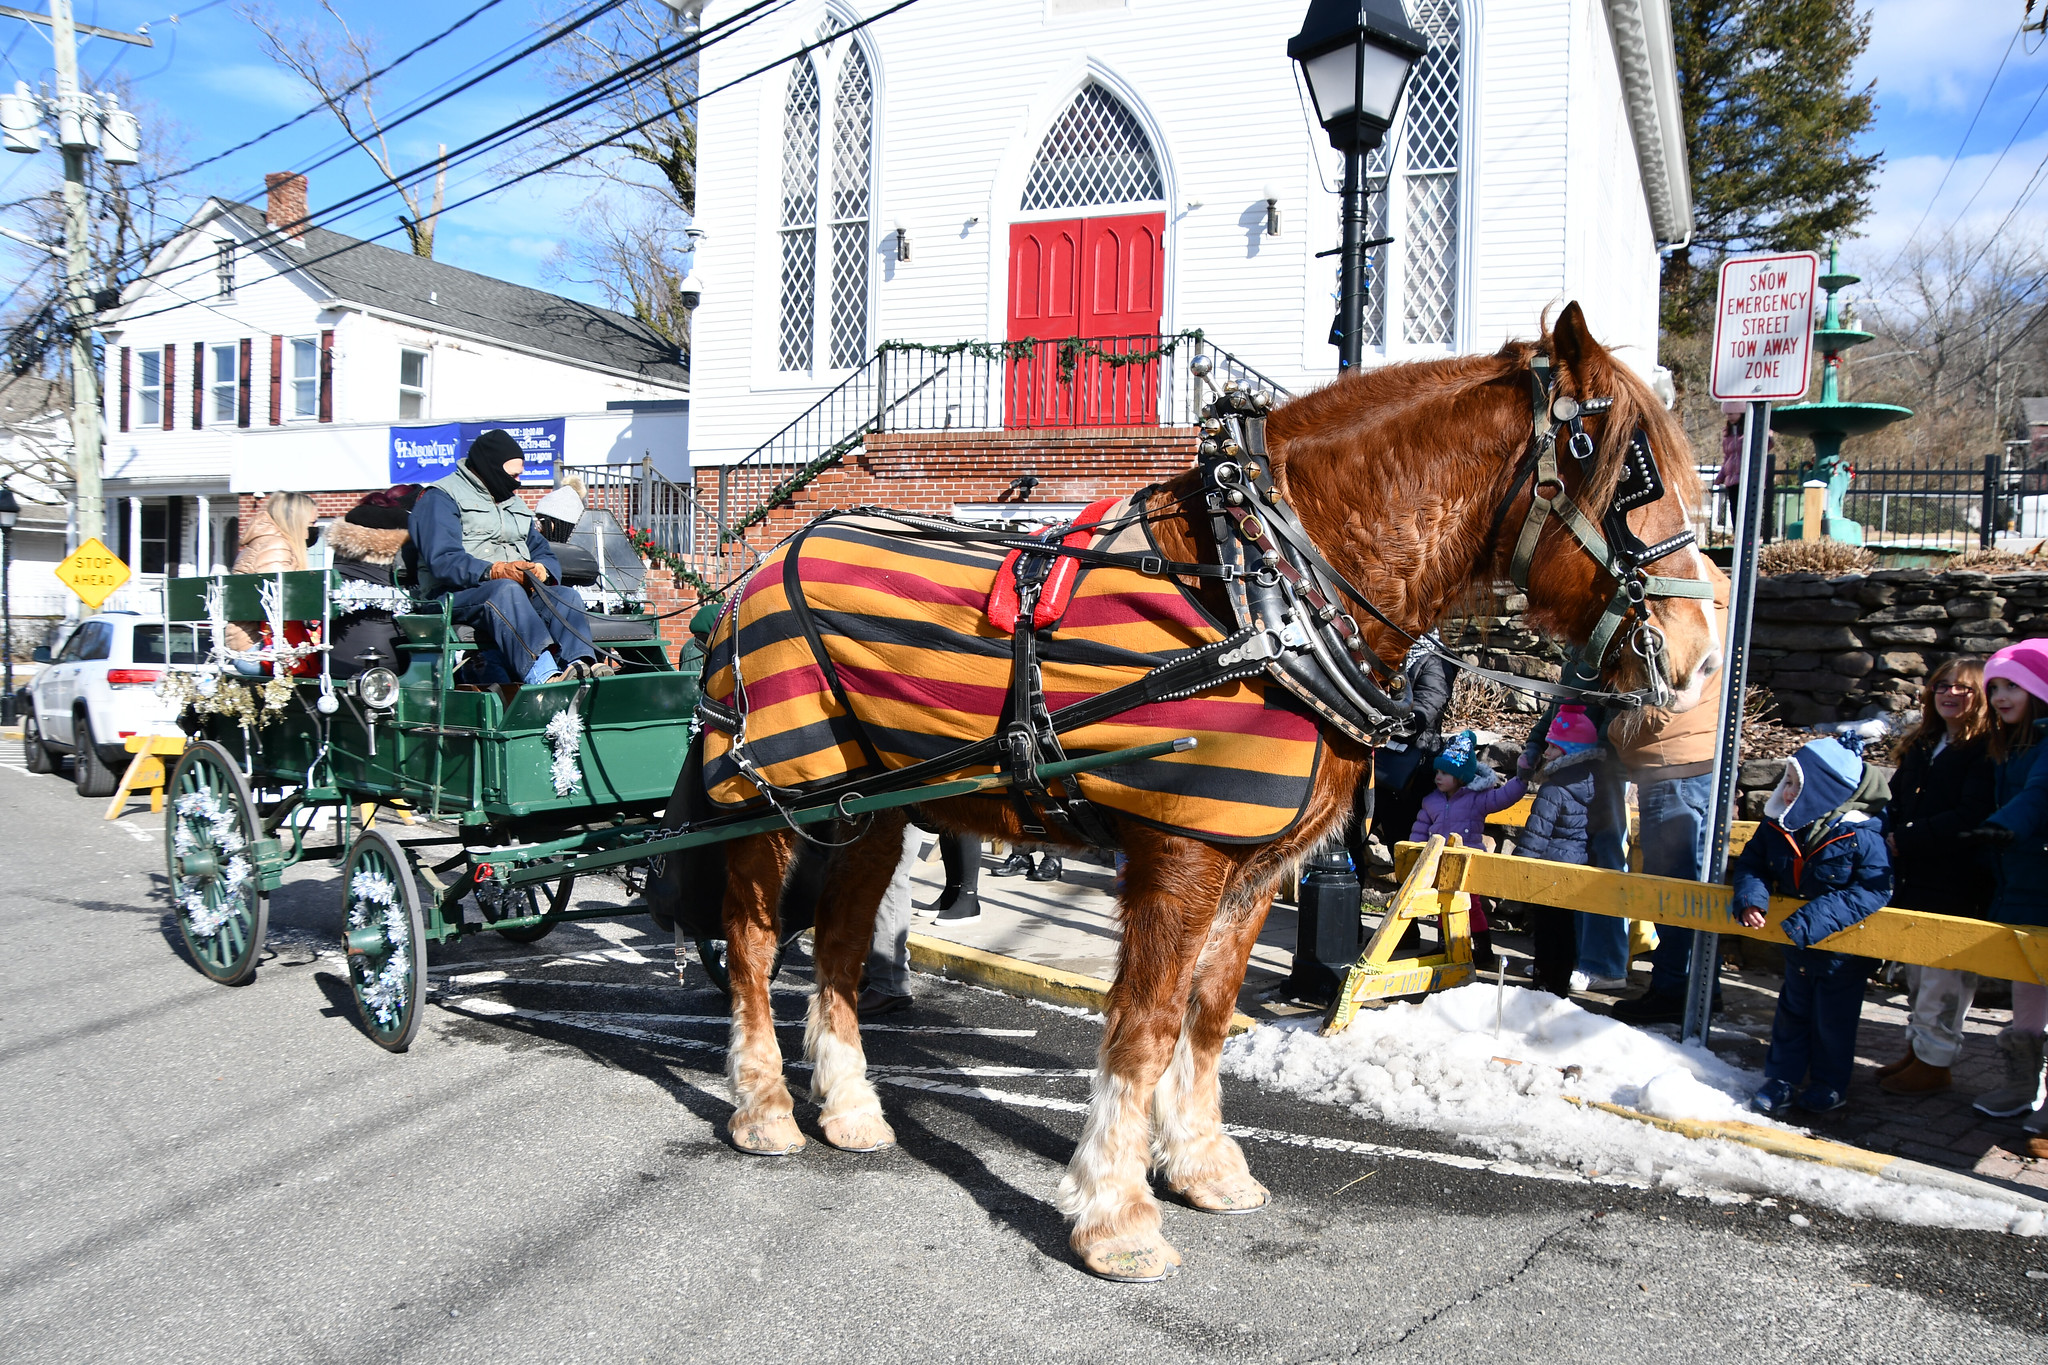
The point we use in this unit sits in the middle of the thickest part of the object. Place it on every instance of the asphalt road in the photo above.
(204, 1173)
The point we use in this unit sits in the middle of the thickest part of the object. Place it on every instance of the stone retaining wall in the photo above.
(1862, 645)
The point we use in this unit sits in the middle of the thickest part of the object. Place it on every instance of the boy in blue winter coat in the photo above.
(1820, 840)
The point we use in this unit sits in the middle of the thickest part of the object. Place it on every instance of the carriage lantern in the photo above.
(1356, 56)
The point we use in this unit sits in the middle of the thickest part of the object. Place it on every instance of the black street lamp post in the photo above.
(1356, 56)
(10, 512)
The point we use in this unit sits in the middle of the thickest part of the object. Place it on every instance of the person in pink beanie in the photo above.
(2016, 686)
(1560, 829)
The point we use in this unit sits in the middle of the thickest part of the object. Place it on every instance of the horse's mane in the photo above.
(1374, 402)
(1425, 450)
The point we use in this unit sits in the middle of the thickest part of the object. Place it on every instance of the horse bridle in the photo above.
(1619, 552)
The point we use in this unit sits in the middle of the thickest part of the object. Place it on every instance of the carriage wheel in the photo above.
(528, 898)
(386, 937)
(216, 895)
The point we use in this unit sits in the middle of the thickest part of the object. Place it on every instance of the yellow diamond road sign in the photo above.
(93, 572)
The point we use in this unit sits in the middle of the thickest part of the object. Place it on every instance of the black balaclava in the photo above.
(487, 458)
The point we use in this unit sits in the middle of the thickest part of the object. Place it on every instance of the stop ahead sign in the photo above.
(1763, 327)
(93, 572)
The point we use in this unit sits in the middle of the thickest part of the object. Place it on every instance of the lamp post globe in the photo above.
(1355, 56)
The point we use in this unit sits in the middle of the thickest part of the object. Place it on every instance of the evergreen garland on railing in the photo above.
(642, 541)
(1071, 349)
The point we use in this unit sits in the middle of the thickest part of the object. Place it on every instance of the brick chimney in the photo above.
(284, 205)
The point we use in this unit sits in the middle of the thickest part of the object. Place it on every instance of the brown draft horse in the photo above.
(1396, 473)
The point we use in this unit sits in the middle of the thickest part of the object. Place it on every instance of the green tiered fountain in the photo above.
(1830, 421)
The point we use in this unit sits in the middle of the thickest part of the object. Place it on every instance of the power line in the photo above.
(1956, 156)
(609, 138)
(574, 102)
(302, 117)
(2009, 142)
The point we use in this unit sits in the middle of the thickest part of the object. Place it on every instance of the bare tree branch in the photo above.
(337, 64)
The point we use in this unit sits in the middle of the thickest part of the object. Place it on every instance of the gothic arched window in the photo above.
(833, 193)
(1414, 190)
(1095, 154)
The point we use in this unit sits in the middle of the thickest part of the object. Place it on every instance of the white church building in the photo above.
(993, 171)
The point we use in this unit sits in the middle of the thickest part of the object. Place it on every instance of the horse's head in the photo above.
(1613, 526)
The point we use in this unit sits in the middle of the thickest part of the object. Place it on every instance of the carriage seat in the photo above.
(603, 629)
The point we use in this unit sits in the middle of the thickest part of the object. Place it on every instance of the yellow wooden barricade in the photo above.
(145, 771)
(1443, 876)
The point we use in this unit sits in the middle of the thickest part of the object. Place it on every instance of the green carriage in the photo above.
(530, 787)
(512, 778)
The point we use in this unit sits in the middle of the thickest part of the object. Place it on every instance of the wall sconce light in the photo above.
(1022, 486)
(1272, 213)
(902, 241)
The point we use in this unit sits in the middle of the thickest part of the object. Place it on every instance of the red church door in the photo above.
(1099, 280)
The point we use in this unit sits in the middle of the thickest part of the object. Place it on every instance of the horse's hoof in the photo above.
(868, 1132)
(778, 1136)
(1145, 1258)
(1228, 1194)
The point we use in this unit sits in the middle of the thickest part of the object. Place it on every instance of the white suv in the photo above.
(99, 689)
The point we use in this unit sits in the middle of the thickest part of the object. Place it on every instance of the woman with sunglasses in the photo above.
(1943, 787)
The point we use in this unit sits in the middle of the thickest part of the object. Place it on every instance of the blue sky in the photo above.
(1932, 60)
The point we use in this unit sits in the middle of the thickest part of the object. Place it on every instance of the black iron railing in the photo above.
(1953, 506)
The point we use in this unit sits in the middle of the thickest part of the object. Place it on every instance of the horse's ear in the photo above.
(1572, 343)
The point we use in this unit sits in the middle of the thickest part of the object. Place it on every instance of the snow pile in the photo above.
(1439, 1066)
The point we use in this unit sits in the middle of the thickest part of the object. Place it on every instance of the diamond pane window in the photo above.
(1414, 194)
(799, 217)
(853, 129)
(1095, 154)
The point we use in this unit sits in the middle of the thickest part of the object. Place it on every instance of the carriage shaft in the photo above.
(851, 804)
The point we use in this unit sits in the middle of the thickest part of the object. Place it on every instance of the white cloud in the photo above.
(1938, 54)
(1908, 186)
(259, 84)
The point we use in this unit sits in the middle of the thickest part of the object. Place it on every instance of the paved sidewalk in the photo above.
(1071, 925)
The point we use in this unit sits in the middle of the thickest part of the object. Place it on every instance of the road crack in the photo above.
(1482, 1291)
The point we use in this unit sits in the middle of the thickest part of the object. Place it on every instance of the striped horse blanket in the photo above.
(855, 647)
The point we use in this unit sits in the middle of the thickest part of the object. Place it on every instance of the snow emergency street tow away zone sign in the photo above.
(1763, 327)
(93, 572)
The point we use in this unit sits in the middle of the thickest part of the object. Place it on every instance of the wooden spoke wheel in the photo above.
(386, 937)
(522, 901)
(216, 895)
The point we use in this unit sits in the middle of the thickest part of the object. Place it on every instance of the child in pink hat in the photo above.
(2016, 686)
(1560, 829)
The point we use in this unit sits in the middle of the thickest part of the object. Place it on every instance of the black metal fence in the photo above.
(1952, 507)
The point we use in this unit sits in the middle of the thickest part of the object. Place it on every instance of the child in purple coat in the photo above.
(1467, 791)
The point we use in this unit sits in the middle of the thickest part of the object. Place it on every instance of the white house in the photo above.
(250, 357)
(1000, 169)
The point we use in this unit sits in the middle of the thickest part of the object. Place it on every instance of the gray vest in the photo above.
(492, 531)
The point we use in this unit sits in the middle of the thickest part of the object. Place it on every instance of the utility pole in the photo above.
(80, 121)
(85, 379)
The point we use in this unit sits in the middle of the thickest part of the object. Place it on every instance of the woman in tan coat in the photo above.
(273, 541)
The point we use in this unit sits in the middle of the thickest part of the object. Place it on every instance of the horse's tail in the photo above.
(689, 890)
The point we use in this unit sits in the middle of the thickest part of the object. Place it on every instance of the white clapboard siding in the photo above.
(967, 88)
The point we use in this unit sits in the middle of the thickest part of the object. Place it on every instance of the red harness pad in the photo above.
(1058, 589)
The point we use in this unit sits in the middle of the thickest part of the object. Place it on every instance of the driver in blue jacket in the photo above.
(1821, 840)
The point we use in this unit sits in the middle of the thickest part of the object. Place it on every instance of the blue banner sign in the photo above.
(425, 454)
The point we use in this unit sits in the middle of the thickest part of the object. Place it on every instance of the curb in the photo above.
(1015, 976)
(1900, 1170)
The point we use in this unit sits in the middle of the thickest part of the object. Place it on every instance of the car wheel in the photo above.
(88, 770)
(34, 753)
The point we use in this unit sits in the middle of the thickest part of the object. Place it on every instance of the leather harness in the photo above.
(1288, 603)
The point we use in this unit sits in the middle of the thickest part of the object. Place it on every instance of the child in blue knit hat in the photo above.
(1820, 841)
(1467, 791)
